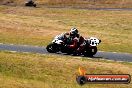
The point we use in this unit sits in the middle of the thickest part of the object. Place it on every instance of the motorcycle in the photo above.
(30, 3)
(55, 46)
(89, 47)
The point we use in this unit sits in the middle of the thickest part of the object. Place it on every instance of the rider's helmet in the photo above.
(73, 32)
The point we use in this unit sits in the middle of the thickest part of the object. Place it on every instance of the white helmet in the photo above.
(74, 31)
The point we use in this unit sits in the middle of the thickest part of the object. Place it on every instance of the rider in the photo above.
(75, 38)
(70, 39)
(67, 37)
(80, 44)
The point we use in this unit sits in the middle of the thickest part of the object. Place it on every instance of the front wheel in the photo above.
(51, 48)
(91, 51)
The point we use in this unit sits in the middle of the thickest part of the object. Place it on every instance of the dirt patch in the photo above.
(7, 2)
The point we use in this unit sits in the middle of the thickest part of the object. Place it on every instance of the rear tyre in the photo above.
(94, 50)
(90, 52)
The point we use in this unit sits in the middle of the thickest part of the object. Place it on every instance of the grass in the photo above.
(76, 3)
(91, 3)
(38, 26)
(18, 70)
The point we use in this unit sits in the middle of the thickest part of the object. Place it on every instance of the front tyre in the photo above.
(51, 48)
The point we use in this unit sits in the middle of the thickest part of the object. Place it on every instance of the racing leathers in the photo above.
(74, 44)
(81, 44)
(71, 42)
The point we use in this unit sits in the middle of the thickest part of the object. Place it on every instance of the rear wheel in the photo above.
(91, 51)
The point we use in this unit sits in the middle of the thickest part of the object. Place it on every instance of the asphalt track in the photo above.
(41, 50)
(88, 8)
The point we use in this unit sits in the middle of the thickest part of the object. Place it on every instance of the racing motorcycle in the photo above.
(55, 46)
(30, 4)
(89, 47)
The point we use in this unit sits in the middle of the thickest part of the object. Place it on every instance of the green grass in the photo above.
(18, 70)
(38, 26)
